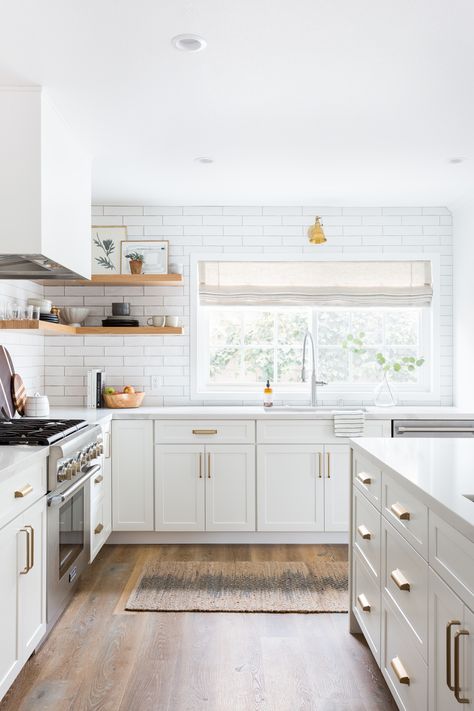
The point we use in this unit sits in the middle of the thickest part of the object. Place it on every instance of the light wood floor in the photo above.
(100, 658)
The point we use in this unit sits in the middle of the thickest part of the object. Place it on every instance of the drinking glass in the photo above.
(36, 313)
(29, 311)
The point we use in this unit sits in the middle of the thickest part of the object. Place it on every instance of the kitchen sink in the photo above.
(310, 408)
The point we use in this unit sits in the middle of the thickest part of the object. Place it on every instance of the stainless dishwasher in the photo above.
(433, 428)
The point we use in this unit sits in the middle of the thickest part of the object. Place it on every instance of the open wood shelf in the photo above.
(129, 331)
(125, 280)
(60, 329)
(40, 326)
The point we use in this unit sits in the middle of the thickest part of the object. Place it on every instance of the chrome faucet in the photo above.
(314, 382)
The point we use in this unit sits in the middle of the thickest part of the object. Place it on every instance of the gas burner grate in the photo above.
(35, 432)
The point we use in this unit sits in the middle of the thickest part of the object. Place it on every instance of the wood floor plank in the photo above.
(101, 658)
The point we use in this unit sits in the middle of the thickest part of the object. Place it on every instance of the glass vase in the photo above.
(384, 396)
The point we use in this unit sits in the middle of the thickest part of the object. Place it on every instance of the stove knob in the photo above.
(101, 448)
(61, 474)
(68, 471)
(76, 466)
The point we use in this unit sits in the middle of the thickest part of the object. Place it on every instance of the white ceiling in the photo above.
(297, 101)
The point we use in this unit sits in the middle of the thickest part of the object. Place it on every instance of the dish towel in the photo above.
(349, 423)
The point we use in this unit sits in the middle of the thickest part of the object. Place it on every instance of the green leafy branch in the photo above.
(355, 344)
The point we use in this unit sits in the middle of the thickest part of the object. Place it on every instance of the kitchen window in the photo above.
(239, 346)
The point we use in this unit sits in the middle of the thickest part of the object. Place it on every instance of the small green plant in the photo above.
(355, 343)
(135, 257)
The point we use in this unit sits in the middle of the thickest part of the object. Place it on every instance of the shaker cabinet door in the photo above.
(179, 487)
(230, 487)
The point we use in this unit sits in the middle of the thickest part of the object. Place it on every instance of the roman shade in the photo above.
(325, 283)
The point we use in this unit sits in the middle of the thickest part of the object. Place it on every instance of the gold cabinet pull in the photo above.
(27, 567)
(457, 667)
(399, 579)
(364, 478)
(400, 512)
(448, 652)
(320, 461)
(99, 528)
(363, 602)
(400, 671)
(32, 545)
(200, 465)
(98, 479)
(328, 459)
(20, 493)
(364, 532)
(204, 432)
(208, 465)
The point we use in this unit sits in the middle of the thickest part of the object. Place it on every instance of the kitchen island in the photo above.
(412, 566)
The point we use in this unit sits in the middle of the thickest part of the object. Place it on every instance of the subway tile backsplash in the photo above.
(227, 230)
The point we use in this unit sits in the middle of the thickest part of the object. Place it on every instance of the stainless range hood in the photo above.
(33, 266)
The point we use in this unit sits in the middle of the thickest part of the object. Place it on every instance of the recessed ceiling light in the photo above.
(189, 43)
(456, 161)
(204, 160)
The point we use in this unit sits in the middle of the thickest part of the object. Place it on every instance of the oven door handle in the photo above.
(58, 499)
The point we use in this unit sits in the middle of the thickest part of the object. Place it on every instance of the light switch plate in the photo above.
(155, 382)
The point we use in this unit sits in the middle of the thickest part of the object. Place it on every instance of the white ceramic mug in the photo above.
(158, 321)
(172, 321)
(175, 268)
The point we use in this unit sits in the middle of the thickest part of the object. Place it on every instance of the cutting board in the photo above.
(6, 373)
(18, 394)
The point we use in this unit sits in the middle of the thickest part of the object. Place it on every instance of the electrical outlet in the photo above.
(155, 382)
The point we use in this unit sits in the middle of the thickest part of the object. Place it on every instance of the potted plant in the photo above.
(136, 262)
(383, 395)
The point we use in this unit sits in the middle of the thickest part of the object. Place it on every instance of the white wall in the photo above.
(243, 230)
(463, 313)
(26, 349)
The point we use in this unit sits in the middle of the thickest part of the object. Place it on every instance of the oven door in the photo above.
(68, 541)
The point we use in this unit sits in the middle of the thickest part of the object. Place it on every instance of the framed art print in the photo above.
(154, 255)
(106, 248)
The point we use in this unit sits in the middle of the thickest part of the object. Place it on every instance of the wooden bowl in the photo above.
(123, 399)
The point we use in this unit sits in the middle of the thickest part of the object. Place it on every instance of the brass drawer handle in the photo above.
(400, 671)
(457, 667)
(204, 432)
(400, 512)
(200, 465)
(98, 479)
(20, 493)
(364, 478)
(328, 455)
(320, 464)
(99, 528)
(399, 579)
(364, 532)
(363, 602)
(448, 653)
(209, 465)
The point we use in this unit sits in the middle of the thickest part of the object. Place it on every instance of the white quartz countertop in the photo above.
(15, 457)
(255, 413)
(438, 471)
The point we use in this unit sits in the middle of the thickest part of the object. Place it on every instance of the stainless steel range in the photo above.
(73, 461)
(75, 456)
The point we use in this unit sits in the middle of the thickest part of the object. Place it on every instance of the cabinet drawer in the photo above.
(452, 556)
(367, 477)
(406, 513)
(366, 603)
(296, 432)
(21, 489)
(405, 580)
(204, 431)
(402, 666)
(366, 532)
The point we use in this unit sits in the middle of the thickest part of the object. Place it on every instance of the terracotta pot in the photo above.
(136, 266)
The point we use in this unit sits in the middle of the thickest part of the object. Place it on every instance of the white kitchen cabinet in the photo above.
(179, 487)
(205, 487)
(290, 487)
(22, 590)
(230, 487)
(448, 618)
(101, 497)
(132, 475)
(337, 484)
